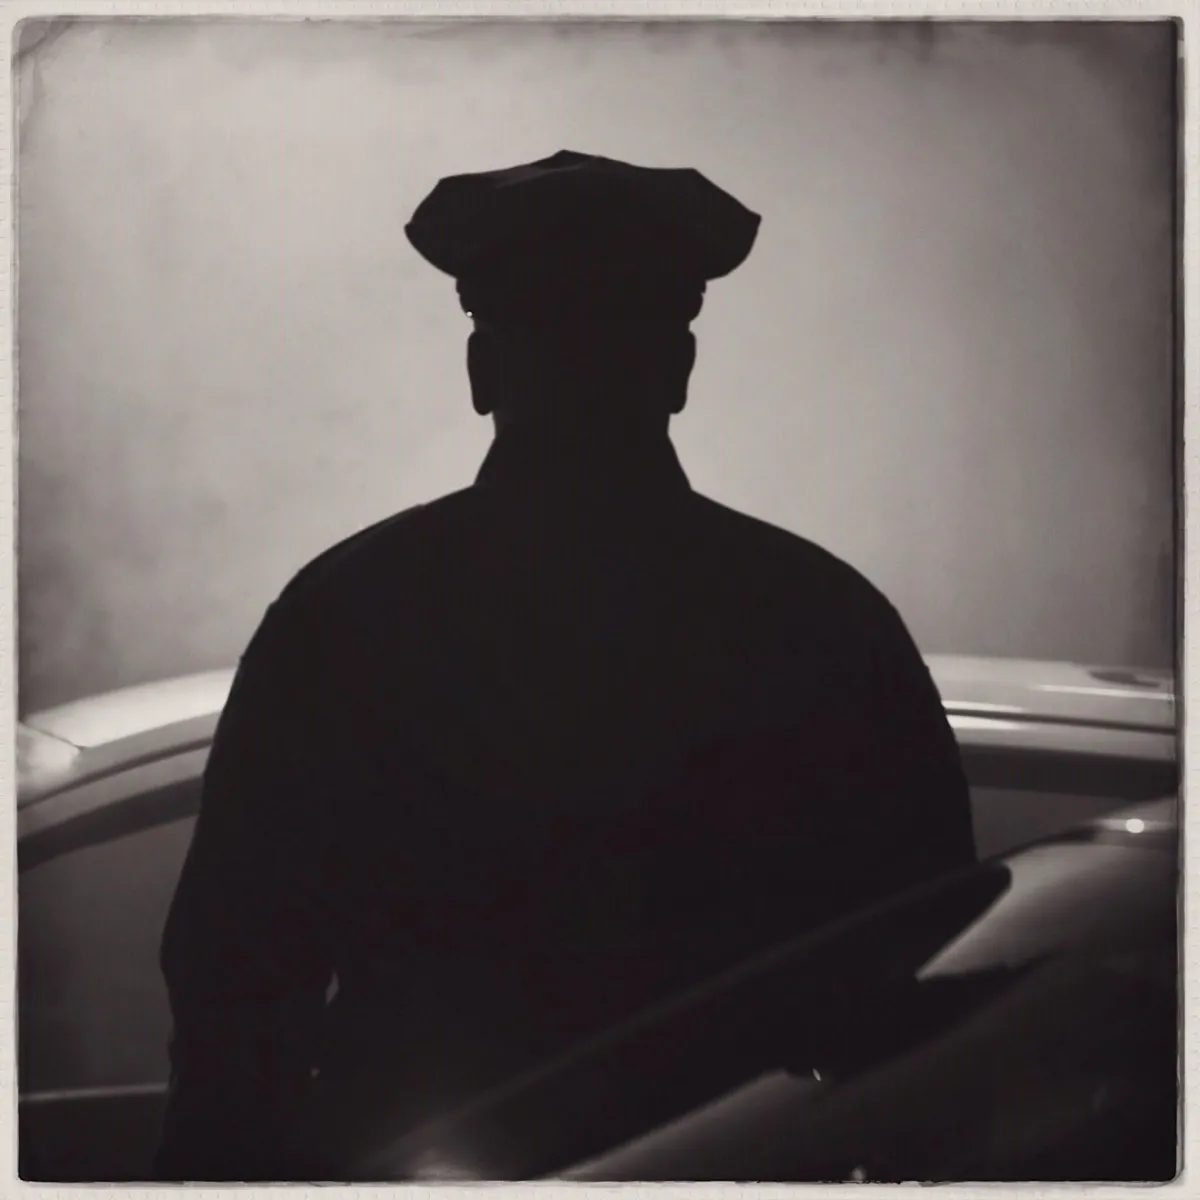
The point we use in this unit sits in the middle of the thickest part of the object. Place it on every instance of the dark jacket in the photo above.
(510, 765)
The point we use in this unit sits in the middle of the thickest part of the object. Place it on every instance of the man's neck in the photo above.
(587, 456)
(592, 435)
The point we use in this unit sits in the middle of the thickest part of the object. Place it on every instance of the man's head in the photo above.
(592, 329)
(582, 276)
(605, 376)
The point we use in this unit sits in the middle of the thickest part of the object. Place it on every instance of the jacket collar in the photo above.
(573, 462)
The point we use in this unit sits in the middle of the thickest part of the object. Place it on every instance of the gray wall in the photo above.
(949, 359)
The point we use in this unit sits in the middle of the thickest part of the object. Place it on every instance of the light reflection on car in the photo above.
(109, 786)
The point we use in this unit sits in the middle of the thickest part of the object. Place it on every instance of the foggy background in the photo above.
(949, 359)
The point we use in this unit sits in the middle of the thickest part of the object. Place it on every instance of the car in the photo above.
(1014, 1022)
(109, 787)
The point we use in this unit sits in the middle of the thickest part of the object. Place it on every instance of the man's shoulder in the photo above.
(387, 546)
(787, 560)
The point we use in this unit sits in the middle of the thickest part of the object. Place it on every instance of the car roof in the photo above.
(62, 747)
(1031, 689)
(1041, 690)
(1006, 702)
(129, 712)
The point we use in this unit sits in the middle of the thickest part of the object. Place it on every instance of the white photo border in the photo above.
(1185, 12)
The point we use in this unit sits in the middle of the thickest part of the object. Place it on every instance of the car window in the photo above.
(1018, 798)
(92, 1004)
(1005, 818)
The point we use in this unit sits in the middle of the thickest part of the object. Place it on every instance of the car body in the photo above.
(1016, 1022)
(109, 788)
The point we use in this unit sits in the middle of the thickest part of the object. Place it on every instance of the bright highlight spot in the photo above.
(1136, 825)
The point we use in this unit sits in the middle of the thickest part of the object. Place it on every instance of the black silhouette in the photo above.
(503, 769)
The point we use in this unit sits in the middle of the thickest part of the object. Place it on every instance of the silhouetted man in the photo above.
(515, 763)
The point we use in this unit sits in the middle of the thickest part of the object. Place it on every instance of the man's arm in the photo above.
(915, 769)
(247, 951)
